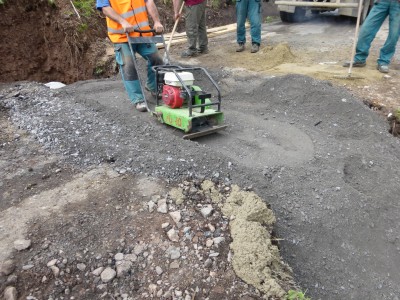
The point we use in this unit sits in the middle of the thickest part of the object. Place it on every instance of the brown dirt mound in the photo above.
(44, 42)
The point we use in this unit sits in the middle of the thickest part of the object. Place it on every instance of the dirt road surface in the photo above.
(86, 180)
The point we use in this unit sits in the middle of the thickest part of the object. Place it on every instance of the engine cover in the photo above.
(172, 97)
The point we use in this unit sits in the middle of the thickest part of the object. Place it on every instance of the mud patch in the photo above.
(14, 221)
(126, 237)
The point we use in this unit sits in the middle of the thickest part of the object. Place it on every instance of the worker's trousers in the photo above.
(250, 9)
(128, 71)
(372, 24)
(196, 30)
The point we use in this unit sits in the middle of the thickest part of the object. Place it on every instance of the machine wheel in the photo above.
(365, 11)
(295, 17)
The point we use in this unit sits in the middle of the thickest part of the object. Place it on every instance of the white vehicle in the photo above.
(294, 10)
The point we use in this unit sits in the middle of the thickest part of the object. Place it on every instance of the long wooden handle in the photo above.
(175, 25)
(353, 50)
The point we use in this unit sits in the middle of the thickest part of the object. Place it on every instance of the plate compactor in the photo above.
(179, 102)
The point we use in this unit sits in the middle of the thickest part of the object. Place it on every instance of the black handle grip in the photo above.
(145, 31)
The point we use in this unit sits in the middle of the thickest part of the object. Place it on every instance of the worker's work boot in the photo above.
(240, 48)
(356, 64)
(141, 107)
(255, 47)
(188, 53)
(203, 51)
(383, 68)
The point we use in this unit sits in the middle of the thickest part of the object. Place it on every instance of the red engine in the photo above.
(171, 96)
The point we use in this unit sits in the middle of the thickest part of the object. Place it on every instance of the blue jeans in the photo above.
(248, 9)
(371, 26)
(128, 72)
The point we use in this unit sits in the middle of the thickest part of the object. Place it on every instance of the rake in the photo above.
(353, 51)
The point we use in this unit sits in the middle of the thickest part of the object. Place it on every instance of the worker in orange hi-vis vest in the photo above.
(124, 16)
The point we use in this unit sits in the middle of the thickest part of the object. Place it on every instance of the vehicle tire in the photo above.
(284, 16)
(365, 11)
(297, 16)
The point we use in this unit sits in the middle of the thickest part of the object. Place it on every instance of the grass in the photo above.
(296, 295)
(397, 114)
(82, 27)
(270, 19)
(85, 7)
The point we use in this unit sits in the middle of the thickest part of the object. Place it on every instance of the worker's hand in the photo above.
(178, 15)
(158, 27)
(127, 26)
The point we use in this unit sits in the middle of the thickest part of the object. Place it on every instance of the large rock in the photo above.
(22, 244)
(108, 274)
(10, 293)
(7, 267)
(123, 267)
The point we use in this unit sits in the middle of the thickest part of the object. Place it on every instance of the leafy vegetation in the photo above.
(82, 27)
(397, 114)
(85, 7)
(296, 295)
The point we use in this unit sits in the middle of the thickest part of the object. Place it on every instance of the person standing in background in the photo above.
(379, 12)
(248, 9)
(196, 30)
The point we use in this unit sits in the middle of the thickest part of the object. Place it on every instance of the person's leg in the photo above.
(128, 72)
(255, 21)
(191, 30)
(201, 21)
(369, 29)
(389, 48)
(150, 53)
(241, 15)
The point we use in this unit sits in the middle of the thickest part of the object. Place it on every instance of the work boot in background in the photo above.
(240, 48)
(188, 53)
(203, 51)
(255, 47)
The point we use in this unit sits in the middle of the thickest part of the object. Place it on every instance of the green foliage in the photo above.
(2, 1)
(215, 3)
(296, 295)
(99, 70)
(270, 19)
(397, 114)
(85, 7)
(82, 27)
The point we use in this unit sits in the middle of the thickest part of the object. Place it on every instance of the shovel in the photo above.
(166, 53)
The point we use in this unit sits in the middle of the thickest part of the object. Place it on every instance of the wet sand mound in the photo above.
(256, 260)
(276, 55)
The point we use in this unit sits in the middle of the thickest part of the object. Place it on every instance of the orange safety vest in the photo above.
(135, 12)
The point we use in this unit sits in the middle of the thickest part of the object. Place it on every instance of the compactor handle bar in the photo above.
(147, 31)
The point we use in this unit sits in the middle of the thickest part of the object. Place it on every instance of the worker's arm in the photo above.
(112, 14)
(153, 12)
(177, 6)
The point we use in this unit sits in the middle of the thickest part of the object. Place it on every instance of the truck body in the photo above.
(295, 10)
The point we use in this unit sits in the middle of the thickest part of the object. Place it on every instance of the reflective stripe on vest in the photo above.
(133, 11)
(121, 31)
